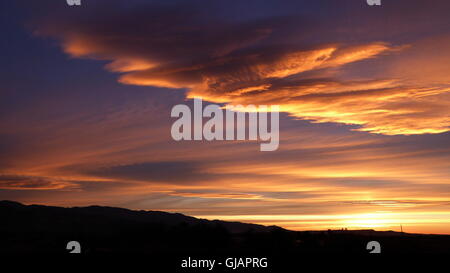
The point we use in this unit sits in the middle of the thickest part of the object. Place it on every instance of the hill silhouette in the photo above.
(101, 230)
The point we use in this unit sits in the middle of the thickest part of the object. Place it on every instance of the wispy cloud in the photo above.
(256, 61)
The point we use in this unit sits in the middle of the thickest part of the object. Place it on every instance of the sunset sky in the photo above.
(86, 94)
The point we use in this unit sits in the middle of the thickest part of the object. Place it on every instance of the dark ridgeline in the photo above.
(45, 229)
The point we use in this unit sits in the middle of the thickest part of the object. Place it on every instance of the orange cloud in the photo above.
(386, 106)
(383, 87)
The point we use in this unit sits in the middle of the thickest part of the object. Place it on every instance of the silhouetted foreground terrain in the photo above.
(102, 230)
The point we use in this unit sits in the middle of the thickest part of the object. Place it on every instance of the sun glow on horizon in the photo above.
(381, 221)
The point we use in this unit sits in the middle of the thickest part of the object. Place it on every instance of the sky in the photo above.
(364, 93)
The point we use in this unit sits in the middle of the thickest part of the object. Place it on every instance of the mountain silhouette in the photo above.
(100, 230)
